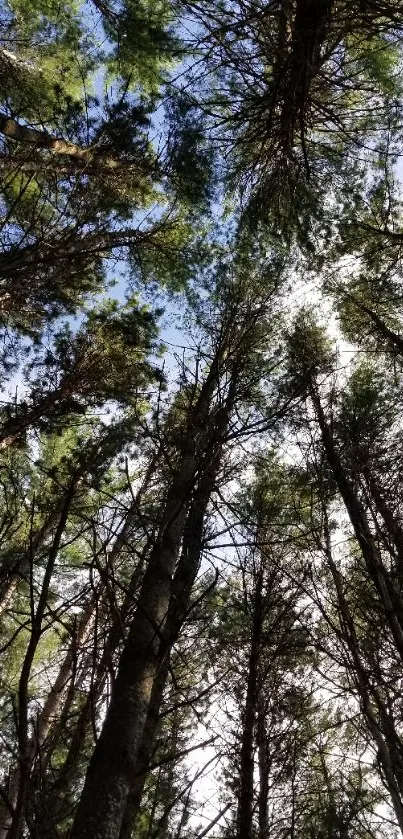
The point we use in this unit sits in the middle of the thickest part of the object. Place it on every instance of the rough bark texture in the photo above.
(57, 145)
(145, 751)
(115, 759)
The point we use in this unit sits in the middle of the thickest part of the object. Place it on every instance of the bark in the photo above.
(114, 763)
(391, 337)
(264, 769)
(107, 12)
(114, 760)
(13, 61)
(54, 804)
(58, 145)
(183, 582)
(393, 526)
(296, 69)
(71, 168)
(57, 692)
(11, 576)
(245, 796)
(50, 709)
(145, 753)
(168, 797)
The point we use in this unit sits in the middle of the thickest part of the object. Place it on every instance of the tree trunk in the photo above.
(184, 579)
(379, 722)
(392, 338)
(49, 808)
(389, 597)
(247, 764)
(58, 145)
(115, 760)
(50, 709)
(145, 752)
(11, 576)
(31, 257)
(393, 526)
(264, 769)
(18, 789)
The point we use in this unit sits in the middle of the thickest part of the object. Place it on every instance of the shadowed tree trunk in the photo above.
(46, 717)
(72, 245)
(379, 721)
(19, 784)
(58, 145)
(184, 579)
(264, 768)
(247, 763)
(388, 595)
(115, 761)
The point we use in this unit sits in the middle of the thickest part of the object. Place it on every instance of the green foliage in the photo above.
(190, 155)
(236, 163)
(310, 354)
(44, 86)
(144, 42)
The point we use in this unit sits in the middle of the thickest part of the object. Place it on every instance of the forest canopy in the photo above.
(201, 461)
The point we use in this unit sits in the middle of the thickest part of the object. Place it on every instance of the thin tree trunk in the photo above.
(52, 704)
(20, 779)
(381, 725)
(247, 764)
(393, 526)
(10, 577)
(264, 769)
(389, 597)
(51, 803)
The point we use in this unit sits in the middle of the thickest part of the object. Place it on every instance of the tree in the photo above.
(106, 361)
(368, 410)
(201, 547)
(160, 609)
(299, 91)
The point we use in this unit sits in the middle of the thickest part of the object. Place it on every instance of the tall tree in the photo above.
(234, 346)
